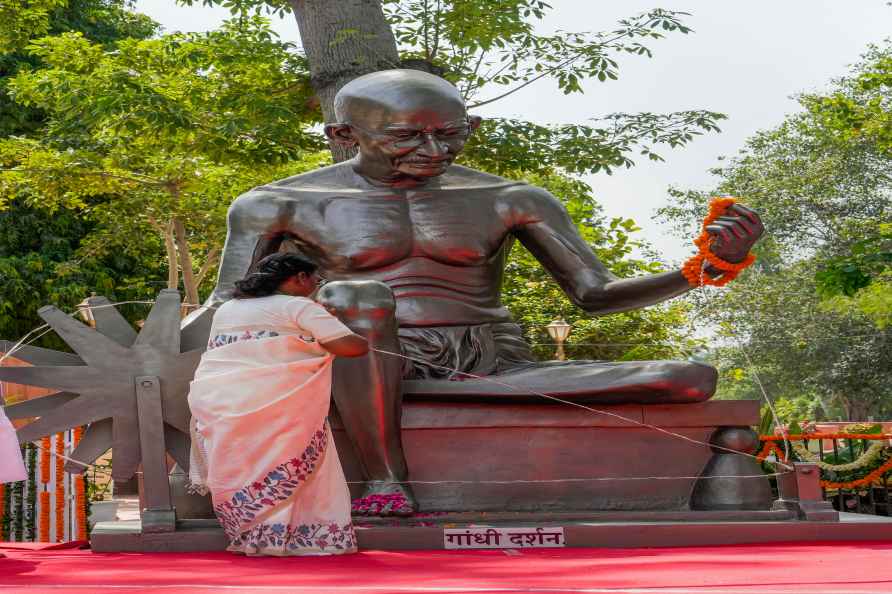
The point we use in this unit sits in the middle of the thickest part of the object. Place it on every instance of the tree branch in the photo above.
(206, 267)
(551, 70)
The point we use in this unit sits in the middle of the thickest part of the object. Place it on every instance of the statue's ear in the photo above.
(340, 134)
(474, 121)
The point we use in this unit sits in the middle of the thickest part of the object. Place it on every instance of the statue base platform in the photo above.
(597, 479)
(527, 457)
(608, 530)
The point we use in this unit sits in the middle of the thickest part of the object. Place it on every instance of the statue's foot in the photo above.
(382, 498)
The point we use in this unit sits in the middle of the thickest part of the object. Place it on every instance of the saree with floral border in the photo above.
(261, 443)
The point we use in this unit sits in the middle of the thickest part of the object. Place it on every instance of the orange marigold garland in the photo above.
(693, 268)
(861, 482)
(44, 496)
(771, 446)
(79, 493)
(44, 534)
(59, 516)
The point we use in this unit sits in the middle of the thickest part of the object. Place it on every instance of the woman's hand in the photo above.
(352, 345)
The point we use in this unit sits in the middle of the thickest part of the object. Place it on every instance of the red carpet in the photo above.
(823, 568)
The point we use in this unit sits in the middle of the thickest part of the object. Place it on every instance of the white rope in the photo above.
(576, 404)
(46, 327)
(85, 465)
(752, 369)
(518, 389)
(570, 480)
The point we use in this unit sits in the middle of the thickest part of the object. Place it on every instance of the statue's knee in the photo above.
(368, 300)
(691, 381)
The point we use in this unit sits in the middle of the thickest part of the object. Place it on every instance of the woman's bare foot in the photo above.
(383, 498)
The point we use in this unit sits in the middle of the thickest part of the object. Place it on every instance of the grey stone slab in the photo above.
(37, 407)
(865, 519)
(161, 329)
(97, 440)
(110, 322)
(501, 518)
(39, 356)
(109, 537)
(93, 347)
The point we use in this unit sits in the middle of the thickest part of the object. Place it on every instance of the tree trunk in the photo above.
(173, 276)
(189, 286)
(343, 39)
(856, 409)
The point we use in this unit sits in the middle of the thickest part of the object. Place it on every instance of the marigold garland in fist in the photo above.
(693, 268)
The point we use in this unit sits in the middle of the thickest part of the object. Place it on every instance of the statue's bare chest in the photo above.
(368, 232)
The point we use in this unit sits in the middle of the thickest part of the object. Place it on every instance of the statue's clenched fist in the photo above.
(734, 233)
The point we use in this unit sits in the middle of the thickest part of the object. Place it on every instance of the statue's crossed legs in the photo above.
(368, 390)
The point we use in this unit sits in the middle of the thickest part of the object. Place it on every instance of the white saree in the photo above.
(261, 443)
(12, 468)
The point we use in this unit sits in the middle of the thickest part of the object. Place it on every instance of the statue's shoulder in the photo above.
(290, 194)
(523, 203)
(325, 180)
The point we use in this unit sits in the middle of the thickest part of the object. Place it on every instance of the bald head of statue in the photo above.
(409, 125)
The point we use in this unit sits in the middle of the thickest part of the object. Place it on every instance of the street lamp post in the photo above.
(559, 330)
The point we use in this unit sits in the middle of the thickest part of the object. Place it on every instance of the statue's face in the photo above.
(408, 135)
(416, 141)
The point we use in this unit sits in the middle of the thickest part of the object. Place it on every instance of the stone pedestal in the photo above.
(800, 491)
(503, 457)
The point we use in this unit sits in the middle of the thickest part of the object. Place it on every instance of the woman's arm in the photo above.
(352, 345)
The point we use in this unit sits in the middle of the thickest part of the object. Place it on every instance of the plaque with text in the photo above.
(534, 537)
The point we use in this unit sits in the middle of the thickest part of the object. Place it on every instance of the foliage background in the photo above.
(131, 135)
(812, 315)
(121, 148)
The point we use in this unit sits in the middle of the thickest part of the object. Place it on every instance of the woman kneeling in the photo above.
(260, 440)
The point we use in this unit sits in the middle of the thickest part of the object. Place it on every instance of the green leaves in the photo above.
(859, 111)
(22, 19)
(502, 145)
(867, 259)
(233, 94)
(151, 130)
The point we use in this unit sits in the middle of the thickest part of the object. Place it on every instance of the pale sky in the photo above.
(745, 59)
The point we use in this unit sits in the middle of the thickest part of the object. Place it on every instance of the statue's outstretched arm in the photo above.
(543, 226)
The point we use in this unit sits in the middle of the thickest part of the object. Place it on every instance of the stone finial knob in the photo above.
(732, 479)
(737, 439)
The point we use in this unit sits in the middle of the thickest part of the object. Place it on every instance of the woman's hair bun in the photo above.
(271, 272)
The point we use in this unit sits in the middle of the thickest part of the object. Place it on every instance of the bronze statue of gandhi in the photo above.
(416, 247)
